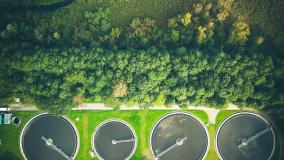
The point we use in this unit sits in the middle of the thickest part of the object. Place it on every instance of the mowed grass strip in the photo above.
(212, 155)
(222, 115)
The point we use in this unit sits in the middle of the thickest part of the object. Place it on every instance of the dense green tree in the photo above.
(142, 33)
(203, 57)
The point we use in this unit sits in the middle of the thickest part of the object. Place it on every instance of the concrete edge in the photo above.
(114, 120)
(236, 114)
(68, 120)
(184, 113)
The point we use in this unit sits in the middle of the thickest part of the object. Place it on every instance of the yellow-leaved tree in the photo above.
(119, 89)
(240, 32)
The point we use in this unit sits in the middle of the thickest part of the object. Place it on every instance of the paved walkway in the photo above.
(22, 107)
(211, 112)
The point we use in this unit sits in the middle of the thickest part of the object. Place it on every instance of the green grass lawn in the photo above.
(89, 120)
(142, 121)
(223, 115)
(212, 155)
(9, 135)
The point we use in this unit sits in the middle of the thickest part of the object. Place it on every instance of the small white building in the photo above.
(7, 118)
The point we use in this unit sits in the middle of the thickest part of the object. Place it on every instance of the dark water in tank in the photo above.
(177, 126)
(245, 126)
(58, 129)
(103, 141)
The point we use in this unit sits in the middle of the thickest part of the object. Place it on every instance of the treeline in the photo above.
(204, 57)
(263, 14)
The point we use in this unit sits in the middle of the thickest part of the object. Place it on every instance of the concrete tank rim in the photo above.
(46, 113)
(187, 114)
(114, 120)
(234, 115)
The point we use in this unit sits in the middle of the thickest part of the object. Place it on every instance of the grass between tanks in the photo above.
(142, 121)
(89, 120)
(212, 155)
(10, 134)
(222, 115)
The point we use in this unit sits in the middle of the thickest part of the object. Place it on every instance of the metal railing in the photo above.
(179, 142)
(49, 143)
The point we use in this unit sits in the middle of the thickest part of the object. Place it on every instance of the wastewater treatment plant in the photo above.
(171, 135)
(141, 80)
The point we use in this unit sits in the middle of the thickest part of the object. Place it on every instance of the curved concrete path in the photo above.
(211, 112)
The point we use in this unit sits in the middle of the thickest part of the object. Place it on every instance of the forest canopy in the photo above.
(205, 56)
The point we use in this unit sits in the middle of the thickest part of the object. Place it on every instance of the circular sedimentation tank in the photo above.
(179, 136)
(114, 140)
(47, 137)
(246, 136)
